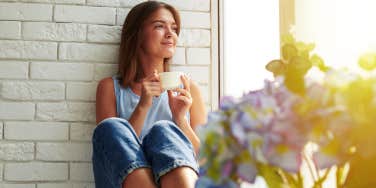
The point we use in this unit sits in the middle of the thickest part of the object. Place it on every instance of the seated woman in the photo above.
(145, 136)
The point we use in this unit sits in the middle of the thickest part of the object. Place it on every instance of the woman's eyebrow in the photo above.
(162, 21)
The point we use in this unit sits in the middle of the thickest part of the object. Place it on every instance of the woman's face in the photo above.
(159, 34)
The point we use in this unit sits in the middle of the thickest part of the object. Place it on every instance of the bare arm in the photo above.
(150, 87)
(137, 118)
(105, 100)
(190, 99)
(106, 105)
(198, 114)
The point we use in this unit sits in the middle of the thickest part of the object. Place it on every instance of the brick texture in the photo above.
(53, 53)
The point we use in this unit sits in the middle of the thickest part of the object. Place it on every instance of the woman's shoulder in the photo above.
(105, 99)
(106, 85)
(106, 82)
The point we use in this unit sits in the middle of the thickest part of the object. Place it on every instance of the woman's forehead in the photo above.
(162, 15)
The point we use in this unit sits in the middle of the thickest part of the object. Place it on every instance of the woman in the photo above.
(145, 136)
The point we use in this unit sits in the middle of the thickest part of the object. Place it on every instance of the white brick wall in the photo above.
(64, 151)
(53, 31)
(88, 52)
(52, 55)
(14, 70)
(27, 50)
(1, 172)
(39, 131)
(28, 90)
(20, 151)
(17, 110)
(61, 71)
(104, 34)
(10, 185)
(1, 132)
(81, 131)
(10, 30)
(25, 12)
(66, 185)
(85, 14)
(35, 171)
(79, 171)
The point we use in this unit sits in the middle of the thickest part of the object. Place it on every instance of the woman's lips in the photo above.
(168, 43)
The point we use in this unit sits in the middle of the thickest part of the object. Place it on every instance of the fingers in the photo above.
(153, 88)
(152, 85)
(185, 99)
(183, 95)
(183, 92)
(170, 95)
(185, 81)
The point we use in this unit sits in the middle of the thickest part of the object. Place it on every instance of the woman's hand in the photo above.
(181, 103)
(150, 87)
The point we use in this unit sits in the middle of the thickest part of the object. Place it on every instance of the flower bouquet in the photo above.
(327, 124)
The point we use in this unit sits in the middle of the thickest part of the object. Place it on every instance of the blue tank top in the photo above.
(127, 100)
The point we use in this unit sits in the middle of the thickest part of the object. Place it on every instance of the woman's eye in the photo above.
(159, 26)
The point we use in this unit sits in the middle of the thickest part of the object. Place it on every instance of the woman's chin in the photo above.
(168, 53)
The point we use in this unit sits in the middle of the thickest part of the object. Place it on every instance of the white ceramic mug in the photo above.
(170, 80)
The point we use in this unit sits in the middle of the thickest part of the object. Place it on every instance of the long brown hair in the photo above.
(129, 67)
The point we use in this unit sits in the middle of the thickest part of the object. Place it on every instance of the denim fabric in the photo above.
(117, 151)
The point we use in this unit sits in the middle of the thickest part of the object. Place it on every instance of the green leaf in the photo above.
(367, 61)
(301, 46)
(291, 180)
(277, 67)
(289, 51)
(295, 83)
(214, 170)
(271, 176)
(299, 65)
(288, 38)
(318, 62)
(341, 174)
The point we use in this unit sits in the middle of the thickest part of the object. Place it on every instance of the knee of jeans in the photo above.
(111, 126)
(162, 126)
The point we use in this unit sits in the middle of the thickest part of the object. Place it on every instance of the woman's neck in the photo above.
(149, 64)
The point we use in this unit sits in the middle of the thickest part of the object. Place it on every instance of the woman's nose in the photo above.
(168, 33)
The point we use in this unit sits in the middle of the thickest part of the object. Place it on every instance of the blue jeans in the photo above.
(117, 151)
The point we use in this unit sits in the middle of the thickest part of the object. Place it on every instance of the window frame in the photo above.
(286, 19)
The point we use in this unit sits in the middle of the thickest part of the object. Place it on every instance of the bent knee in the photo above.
(111, 126)
(141, 177)
(163, 125)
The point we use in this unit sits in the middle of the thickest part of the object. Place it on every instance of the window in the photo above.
(341, 29)
(251, 40)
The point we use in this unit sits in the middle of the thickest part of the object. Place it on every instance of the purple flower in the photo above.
(322, 160)
(247, 172)
(288, 132)
(285, 158)
(227, 168)
(205, 182)
(227, 102)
